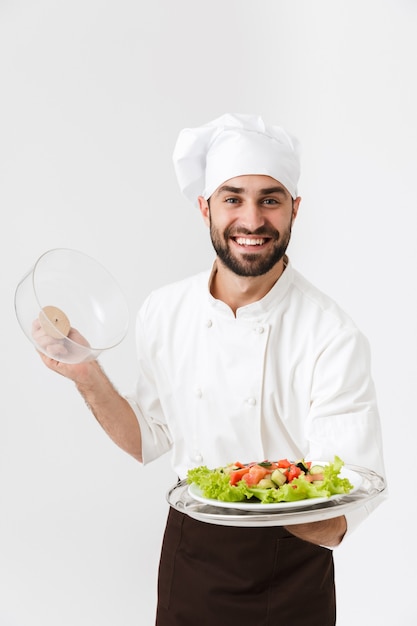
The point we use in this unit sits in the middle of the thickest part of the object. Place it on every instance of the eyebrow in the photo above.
(262, 192)
(276, 189)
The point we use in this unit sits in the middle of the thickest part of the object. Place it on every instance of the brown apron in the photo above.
(213, 575)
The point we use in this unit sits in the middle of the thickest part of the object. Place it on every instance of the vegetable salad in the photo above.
(270, 481)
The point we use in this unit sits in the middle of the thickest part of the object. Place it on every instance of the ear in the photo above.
(295, 207)
(204, 209)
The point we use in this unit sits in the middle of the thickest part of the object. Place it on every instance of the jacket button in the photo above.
(251, 401)
(209, 323)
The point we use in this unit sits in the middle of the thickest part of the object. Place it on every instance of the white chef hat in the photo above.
(234, 145)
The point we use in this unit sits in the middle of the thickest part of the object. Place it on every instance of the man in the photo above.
(248, 361)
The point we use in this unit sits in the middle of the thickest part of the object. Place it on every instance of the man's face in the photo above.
(250, 219)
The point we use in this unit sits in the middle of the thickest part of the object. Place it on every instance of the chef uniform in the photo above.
(286, 376)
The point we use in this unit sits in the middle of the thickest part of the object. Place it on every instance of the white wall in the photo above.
(93, 94)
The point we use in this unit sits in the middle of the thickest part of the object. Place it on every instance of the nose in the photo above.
(252, 216)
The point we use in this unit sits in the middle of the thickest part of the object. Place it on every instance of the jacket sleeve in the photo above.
(145, 402)
(344, 417)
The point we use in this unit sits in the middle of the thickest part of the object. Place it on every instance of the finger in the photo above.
(56, 350)
(36, 325)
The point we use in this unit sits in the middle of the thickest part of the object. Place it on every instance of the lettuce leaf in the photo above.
(215, 484)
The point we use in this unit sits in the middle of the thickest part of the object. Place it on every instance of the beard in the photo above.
(247, 264)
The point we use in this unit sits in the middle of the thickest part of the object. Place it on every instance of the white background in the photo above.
(92, 96)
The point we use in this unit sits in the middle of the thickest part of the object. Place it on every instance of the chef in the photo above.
(247, 361)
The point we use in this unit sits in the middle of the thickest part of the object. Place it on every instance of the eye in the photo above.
(231, 200)
(270, 201)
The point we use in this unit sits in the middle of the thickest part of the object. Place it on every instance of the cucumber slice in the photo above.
(266, 483)
(316, 469)
(278, 477)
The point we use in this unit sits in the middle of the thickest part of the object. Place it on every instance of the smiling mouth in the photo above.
(246, 241)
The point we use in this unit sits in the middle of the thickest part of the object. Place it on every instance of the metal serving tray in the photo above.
(372, 486)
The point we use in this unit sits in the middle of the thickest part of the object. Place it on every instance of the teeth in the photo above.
(242, 241)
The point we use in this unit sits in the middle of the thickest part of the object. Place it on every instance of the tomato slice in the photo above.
(255, 474)
(293, 472)
(237, 475)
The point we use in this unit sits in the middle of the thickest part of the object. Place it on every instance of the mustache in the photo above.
(262, 231)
